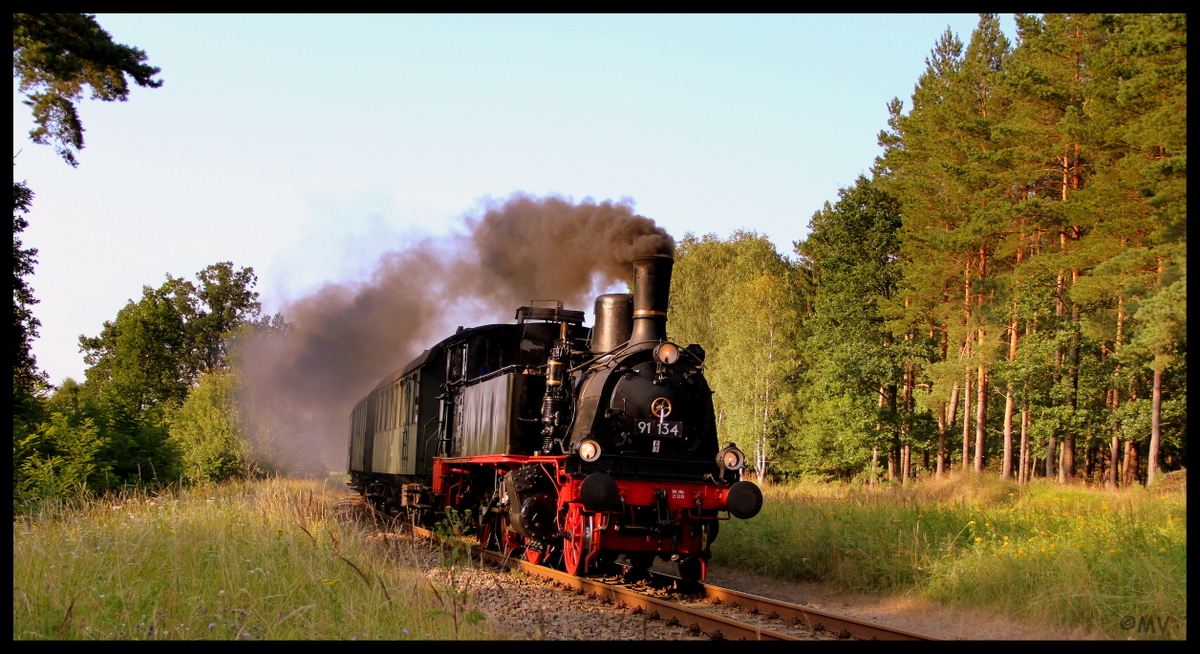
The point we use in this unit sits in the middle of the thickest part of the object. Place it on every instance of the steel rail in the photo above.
(697, 621)
(842, 626)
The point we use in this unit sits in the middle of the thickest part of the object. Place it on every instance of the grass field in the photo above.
(1111, 562)
(264, 560)
(271, 560)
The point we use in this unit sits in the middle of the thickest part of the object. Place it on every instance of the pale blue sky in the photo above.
(306, 146)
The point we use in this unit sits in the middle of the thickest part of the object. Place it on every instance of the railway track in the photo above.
(701, 609)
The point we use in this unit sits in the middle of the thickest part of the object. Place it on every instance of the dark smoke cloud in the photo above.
(301, 385)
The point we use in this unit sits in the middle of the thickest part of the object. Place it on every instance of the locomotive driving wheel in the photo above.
(577, 542)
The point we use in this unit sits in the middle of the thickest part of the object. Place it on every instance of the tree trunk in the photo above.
(966, 436)
(981, 417)
(1051, 445)
(1114, 455)
(1025, 471)
(1006, 464)
(1155, 430)
(1115, 450)
(1130, 467)
(905, 436)
(944, 426)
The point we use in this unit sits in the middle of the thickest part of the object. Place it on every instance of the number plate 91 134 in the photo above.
(661, 429)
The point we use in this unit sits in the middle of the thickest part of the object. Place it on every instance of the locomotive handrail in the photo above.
(489, 375)
(620, 349)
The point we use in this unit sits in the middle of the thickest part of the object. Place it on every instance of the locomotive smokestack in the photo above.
(651, 289)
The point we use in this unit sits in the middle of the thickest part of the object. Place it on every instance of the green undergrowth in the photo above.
(1113, 563)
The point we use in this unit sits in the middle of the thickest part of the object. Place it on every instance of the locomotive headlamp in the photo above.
(667, 353)
(731, 458)
(589, 451)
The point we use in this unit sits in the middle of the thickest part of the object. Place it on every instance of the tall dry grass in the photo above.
(1111, 562)
(260, 560)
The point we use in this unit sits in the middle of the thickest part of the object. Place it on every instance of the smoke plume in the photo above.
(300, 385)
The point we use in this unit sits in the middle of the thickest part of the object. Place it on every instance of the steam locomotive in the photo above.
(568, 445)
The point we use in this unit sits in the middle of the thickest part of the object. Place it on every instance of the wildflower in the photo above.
(979, 539)
(971, 522)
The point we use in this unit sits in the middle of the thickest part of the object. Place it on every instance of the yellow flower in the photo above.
(971, 522)
(979, 539)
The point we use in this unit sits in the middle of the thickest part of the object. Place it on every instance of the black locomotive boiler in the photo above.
(566, 443)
